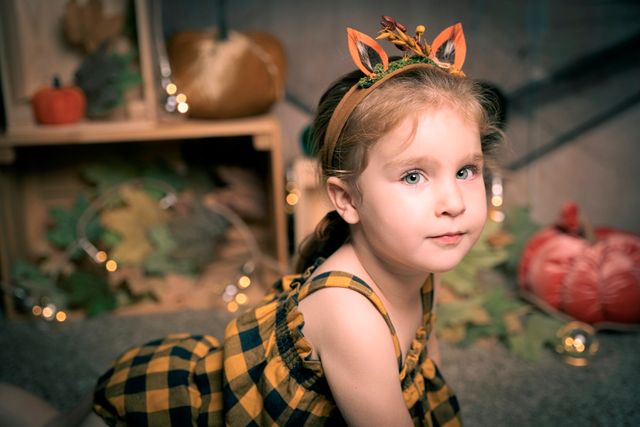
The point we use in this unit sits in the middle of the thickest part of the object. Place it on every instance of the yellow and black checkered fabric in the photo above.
(267, 376)
(174, 381)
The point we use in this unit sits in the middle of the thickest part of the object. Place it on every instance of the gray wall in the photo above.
(513, 44)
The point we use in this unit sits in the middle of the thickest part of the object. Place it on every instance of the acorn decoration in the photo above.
(58, 105)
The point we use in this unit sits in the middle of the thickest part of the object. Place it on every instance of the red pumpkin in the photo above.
(58, 105)
(593, 281)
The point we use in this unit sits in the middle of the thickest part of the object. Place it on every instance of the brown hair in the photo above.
(405, 95)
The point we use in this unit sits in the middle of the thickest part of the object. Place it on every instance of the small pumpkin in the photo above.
(594, 280)
(58, 105)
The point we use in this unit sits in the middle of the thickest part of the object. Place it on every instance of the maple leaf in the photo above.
(65, 221)
(90, 292)
(540, 331)
(131, 223)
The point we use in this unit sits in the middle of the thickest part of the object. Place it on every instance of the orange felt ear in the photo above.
(366, 52)
(450, 46)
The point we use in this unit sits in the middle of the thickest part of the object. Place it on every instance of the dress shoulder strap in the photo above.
(340, 279)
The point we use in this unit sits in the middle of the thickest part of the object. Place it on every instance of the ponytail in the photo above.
(330, 233)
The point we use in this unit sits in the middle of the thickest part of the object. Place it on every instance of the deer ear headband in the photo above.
(447, 52)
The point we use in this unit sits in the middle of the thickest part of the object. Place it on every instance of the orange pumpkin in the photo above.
(58, 105)
(595, 280)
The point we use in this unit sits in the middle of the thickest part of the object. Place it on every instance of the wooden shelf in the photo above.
(262, 128)
(264, 131)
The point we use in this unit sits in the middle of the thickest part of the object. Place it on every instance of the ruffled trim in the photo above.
(294, 348)
(414, 353)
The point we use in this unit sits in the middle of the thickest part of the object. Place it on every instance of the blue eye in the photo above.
(412, 178)
(467, 172)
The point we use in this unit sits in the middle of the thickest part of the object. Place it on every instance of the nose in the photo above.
(449, 199)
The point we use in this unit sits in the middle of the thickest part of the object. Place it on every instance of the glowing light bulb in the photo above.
(577, 343)
(36, 310)
(48, 312)
(244, 282)
(292, 199)
(171, 88)
(111, 266)
(496, 216)
(183, 107)
(101, 256)
(61, 316)
(241, 298)
(232, 307)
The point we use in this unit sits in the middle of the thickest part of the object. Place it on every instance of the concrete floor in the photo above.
(61, 362)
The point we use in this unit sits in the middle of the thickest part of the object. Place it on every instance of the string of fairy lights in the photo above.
(234, 294)
(496, 200)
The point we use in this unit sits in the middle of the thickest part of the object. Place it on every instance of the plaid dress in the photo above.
(263, 375)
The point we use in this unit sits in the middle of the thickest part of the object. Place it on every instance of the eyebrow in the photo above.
(429, 160)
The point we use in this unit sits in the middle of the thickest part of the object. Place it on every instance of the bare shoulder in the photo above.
(355, 347)
(334, 316)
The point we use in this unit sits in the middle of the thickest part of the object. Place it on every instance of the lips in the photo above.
(448, 239)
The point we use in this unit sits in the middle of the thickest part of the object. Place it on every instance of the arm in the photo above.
(357, 354)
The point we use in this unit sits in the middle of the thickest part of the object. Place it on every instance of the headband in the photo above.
(447, 52)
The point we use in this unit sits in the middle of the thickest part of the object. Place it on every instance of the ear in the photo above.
(450, 46)
(365, 52)
(342, 197)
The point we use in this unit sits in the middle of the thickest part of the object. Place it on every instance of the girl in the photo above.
(402, 147)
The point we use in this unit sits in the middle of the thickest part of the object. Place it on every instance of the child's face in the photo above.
(423, 202)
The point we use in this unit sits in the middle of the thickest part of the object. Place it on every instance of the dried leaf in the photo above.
(197, 234)
(57, 263)
(131, 223)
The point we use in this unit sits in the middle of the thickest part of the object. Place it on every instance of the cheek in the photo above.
(478, 201)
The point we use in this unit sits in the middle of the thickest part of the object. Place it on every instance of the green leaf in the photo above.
(161, 172)
(109, 173)
(38, 285)
(498, 302)
(90, 292)
(64, 230)
(461, 281)
(28, 276)
(518, 223)
(463, 278)
(101, 304)
(461, 312)
(539, 332)
(110, 239)
(160, 260)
